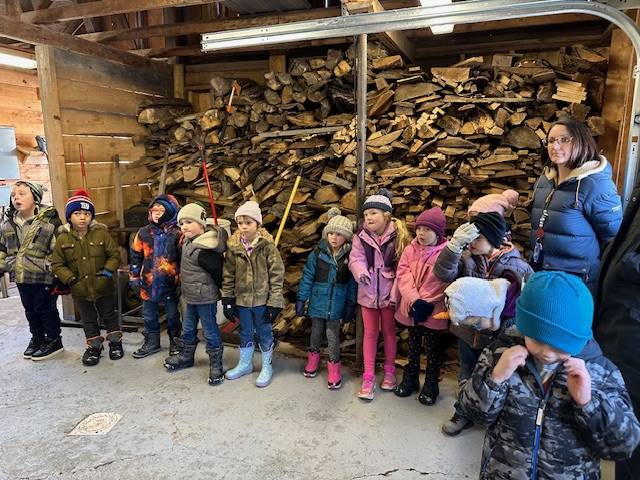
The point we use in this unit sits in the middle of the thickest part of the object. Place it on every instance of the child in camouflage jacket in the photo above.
(553, 405)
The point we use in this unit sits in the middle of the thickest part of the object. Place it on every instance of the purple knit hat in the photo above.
(434, 219)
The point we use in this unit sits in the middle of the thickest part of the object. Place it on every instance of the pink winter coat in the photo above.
(415, 280)
(381, 272)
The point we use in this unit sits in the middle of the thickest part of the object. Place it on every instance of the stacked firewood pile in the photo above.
(438, 136)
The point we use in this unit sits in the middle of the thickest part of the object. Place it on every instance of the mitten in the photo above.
(420, 311)
(105, 273)
(463, 236)
(271, 314)
(349, 313)
(300, 308)
(229, 308)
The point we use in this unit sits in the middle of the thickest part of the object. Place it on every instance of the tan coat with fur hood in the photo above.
(255, 279)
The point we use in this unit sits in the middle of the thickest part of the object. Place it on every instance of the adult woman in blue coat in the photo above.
(576, 208)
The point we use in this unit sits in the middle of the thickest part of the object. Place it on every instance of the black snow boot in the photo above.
(410, 384)
(150, 346)
(116, 352)
(34, 345)
(184, 359)
(429, 393)
(92, 354)
(216, 375)
(174, 340)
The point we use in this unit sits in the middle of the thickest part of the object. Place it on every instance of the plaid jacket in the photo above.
(29, 261)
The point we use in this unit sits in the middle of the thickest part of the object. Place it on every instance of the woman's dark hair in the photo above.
(584, 147)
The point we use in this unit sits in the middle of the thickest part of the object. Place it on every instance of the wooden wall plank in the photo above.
(104, 199)
(83, 122)
(73, 66)
(100, 149)
(102, 174)
(73, 94)
(20, 78)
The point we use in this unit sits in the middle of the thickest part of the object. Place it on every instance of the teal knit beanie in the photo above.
(557, 309)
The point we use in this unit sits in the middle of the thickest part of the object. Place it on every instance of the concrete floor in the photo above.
(175, 426)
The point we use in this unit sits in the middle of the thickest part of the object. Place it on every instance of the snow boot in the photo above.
(313, 362)
(150, 346)
(116, 352)
(334, 377)
(410, 384)
(216, 375)
(245, 363)
(92, 354)
(266, 372)
(184, 359)
(174, 340)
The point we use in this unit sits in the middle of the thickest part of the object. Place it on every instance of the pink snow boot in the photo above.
(313, 362)
(334, 378)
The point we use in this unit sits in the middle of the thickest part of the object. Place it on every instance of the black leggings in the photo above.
(434, 348)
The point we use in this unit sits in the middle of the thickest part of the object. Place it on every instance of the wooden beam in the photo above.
(36, 35)
(52, 125)
(102, 8)
(194, 28)
(397, 42)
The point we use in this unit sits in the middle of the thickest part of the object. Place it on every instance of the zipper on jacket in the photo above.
(536, 439)
(333, 284)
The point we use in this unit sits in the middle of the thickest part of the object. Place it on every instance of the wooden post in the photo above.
(52, 125)
(618, 100)
(277, 62)
(178, 81)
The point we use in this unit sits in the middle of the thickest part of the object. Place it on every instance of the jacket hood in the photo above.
(369, 236)
(94, 225)
(234, 240)
(42, 211)
(171, 206)
(588, 168)
(209, 240)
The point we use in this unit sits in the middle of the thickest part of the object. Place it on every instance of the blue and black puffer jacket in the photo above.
(584, 215)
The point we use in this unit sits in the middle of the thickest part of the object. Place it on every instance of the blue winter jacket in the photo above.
(584, 215)
(327, 283)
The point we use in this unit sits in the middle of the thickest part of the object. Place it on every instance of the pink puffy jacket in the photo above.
(378, 293)
(415, 280)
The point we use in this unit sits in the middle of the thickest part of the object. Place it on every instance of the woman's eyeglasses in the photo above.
(560, 140)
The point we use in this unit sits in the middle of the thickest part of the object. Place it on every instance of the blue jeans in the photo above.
(151, 317)
(468, 358)
(252, 324)
(206, 313)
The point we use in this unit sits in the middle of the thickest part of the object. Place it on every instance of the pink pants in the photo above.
(373, 319)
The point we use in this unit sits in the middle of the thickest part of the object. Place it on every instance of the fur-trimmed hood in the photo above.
(214, 238)
(588, 168)
(94, 225)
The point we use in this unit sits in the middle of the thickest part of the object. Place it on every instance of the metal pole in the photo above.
(633, 142)
(361, 133)
(361, 129)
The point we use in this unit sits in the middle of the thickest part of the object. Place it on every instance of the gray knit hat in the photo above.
(37, 190)
(195, 212)
(338, 224)
(381, 201)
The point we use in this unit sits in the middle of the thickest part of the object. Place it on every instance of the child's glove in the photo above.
(300, 308)
(135, 286)
(229, 308)
(271, 314)
(72, 281)
(364, 279)
(58, 288)
(349, 313)
(463, 236)
(420, 311)
(105, 273)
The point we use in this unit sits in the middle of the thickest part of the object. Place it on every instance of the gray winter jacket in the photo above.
(569, 441)
(201, 267)
(508, 264)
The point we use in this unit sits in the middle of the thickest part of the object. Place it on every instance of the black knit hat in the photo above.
(492, 225)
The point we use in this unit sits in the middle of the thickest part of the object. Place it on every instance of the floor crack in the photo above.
(396, 470)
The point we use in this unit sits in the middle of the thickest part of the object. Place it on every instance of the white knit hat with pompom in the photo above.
(338, 224)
